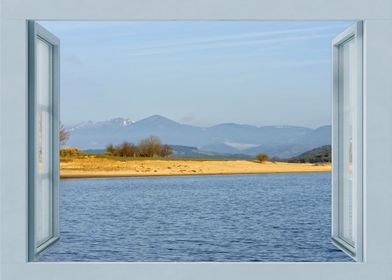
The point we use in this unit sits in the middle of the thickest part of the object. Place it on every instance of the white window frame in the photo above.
(36, 32)
(355, 33)
(377, 135)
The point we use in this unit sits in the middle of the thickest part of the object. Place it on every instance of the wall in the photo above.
(377, 132)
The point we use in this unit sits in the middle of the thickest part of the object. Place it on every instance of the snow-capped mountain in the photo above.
(283, 141)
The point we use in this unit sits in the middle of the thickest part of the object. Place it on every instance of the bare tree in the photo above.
(64, 135)
(166, 151)
(150, 147)
(127, 149)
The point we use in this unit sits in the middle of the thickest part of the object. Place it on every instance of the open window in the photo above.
(347, 141)
(43, 139)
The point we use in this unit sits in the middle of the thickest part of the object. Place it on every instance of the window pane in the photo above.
(43, 191)
(43, 72)
(346, 126)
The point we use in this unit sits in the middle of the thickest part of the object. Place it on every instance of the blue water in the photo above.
(266, 217)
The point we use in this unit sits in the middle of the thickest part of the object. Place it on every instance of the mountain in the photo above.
(320, 154)
(227, 138)
(220, 148)
(193, 152)
(318, 137)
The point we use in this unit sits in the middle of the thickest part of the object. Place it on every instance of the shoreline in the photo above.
(97, 176)
(98, 167)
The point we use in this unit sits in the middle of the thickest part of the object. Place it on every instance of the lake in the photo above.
(263, 217)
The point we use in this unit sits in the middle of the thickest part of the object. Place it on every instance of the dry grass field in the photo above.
(104, 166)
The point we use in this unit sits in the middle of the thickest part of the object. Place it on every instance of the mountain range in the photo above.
(317, 155)
(226, 138)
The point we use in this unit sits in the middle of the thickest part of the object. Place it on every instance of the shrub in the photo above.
(262, 157)
(110, 149)
(70, 152)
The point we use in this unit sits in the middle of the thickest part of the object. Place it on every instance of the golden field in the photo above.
(104, 166)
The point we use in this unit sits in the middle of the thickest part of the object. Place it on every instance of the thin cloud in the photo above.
(252, 35)
(261, 42)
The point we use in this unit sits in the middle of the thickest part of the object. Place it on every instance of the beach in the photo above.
(98, 166)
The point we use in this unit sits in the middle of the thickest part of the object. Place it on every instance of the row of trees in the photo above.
(149, 147)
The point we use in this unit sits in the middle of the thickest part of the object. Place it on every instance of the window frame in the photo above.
(354, 32)
(377, 16)
(35, 33)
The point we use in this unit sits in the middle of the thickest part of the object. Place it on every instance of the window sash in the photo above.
(43, 139)
(347, 138)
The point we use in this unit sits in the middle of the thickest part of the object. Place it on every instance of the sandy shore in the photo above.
(90, 166)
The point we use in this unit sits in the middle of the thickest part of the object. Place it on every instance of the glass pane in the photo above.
(43, 191)
(43, 212)
(346, 126)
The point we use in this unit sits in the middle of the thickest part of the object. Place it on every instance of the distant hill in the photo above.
(227, 138)
(193, 152)
(188, 152)
(320, 154)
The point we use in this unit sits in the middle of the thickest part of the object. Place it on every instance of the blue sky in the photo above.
(197, 72)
